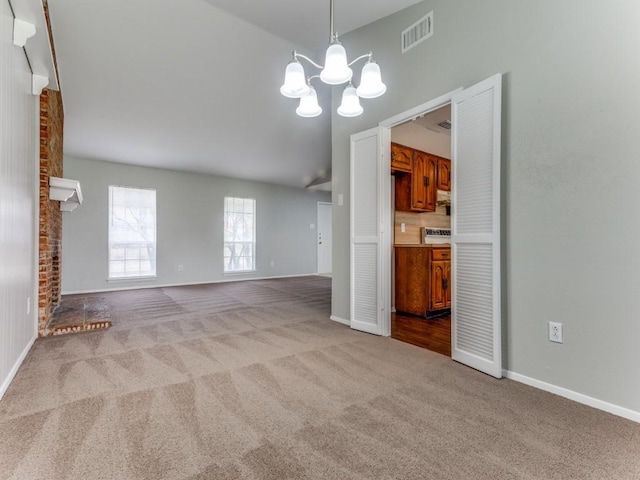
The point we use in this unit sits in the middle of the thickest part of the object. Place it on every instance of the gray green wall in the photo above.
(571, 171)
(19, 168)
(189, 226)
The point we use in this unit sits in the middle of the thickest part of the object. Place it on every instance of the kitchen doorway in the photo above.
(476, 307)
(421, 295)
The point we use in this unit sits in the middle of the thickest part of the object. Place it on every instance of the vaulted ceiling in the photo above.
(194, 85)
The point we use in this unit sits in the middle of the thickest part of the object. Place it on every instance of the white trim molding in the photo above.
(66, 191)
(16, 366)
(186, 284)
(575, 396)
(38, 83)
(31, 33)
(340, 320)
(22, 31)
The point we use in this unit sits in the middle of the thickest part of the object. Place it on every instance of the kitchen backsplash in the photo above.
(414, 221)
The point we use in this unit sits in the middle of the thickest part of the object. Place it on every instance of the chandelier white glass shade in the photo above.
(295, 83)
(309, 104)
(371, 85)
(336, 71)
(350, 105)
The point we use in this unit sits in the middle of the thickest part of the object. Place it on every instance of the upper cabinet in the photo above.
(444, 174)
(423, 196)
(416, 187)
(401, 158)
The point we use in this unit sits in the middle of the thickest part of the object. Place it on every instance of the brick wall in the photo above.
(50, 245)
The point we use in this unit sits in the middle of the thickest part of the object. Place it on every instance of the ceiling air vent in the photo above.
(418, 32)
(446, 124)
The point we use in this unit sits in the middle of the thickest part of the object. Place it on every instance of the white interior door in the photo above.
(365, 283)
(475, 227)
(324, 238)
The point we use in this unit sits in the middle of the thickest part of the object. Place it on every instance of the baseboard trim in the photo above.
(340, 320)
(575, 396)
(186, 284)
(7, 381)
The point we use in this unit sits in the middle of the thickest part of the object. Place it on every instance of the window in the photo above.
(239, 234)
(132, 232)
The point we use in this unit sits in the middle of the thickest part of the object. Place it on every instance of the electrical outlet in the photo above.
(181, 268)
(403, 228)
(555, 332)
(273, 263)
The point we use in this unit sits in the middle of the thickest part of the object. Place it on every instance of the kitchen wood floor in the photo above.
(431, 333)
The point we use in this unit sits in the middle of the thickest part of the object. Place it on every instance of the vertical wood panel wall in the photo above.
(18, 140)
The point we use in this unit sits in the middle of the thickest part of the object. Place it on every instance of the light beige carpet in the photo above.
(252, 380)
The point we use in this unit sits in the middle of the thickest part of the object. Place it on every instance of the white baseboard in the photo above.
(575, 396)
(340, 320)
(7, 381)
(185, 284)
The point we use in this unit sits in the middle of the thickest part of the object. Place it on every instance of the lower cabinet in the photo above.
(422, 282)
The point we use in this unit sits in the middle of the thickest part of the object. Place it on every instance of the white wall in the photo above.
(420, 138)
(18, 202)
(189, 226)
(570, 171)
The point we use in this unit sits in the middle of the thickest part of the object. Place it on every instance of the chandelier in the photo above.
(336, 71)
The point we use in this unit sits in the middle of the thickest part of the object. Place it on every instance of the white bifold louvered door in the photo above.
(475, 227)
(365, 284)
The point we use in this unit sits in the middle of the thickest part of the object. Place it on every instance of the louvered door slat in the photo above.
(476, 332)
(365, 233)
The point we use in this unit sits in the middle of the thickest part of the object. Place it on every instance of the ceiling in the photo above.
(193, 85)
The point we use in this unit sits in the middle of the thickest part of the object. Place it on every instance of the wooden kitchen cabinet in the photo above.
(416, 191)
(440, 271)
(444, 174)
(422, 280)
(447, 293)
(401, 158)
(419, 183)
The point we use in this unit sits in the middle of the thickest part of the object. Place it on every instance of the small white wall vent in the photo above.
(418, 32)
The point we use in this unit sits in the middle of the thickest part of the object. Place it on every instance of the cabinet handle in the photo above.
(445, 283)
(426, 181)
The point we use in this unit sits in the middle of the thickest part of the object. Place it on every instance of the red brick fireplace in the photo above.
(50, 229)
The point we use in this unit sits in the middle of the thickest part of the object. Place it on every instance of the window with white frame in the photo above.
(239, 234)
(132, 232)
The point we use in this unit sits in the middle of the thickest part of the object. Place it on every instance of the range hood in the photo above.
(66, 191)
(443, 198)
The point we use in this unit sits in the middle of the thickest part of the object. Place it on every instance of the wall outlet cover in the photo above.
(555, 332)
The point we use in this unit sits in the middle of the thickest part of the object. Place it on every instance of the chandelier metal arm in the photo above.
(299, 55)
(367, 56)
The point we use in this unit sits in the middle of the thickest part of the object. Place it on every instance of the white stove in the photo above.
(436, 235)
